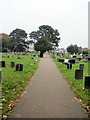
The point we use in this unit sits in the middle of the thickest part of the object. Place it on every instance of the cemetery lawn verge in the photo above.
(76, 85)
(15, 82)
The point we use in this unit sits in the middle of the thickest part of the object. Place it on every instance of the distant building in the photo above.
(85, 49)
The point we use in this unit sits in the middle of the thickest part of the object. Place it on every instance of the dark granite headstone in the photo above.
(61, 60)
(88, 59)
(86, 55)
(74, 56)
(87, 82)
(0, 76)
(79, 59)
(12, 64)
(65, 63)
(19, 67)
(69, 66)
(78, 74)
(57, 53)
(19, 58)
(81, 66)
(34, 55)
(57, 58)
(72, 61)
(2, 64)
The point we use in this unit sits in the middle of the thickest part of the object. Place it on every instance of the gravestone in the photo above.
(86, 55)
(19, 67)
(0, 76)
(57, 53)
(2, 64)
(34, 55)
(19, 58)
(74, 56)
(88, 59)
(61, 60)
(69, 66)
(79, 59)
(78, 74)
(81, 66)
(12, 64)
(57, 58)
(72, 61)
(65, 63)
(87, 82)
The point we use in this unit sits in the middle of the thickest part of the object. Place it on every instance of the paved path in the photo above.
(48, 96)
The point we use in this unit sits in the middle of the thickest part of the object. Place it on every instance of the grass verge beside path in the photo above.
(76, 85)
(15, 82)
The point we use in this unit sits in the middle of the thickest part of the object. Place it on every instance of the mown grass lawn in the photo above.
(15, 82)
(76, 85)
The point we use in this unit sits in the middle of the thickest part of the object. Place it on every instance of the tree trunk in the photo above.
(41, 54)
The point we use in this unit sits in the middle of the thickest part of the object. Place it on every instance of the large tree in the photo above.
(74, 49)
(18, 40)
(46, 31)
(43, 45)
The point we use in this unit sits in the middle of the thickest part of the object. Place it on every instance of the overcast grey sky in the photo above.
(70, 17)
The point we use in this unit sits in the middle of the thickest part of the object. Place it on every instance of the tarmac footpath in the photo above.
(48, 96)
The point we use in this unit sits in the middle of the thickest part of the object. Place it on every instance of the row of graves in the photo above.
(78, 72)
(18, 66)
